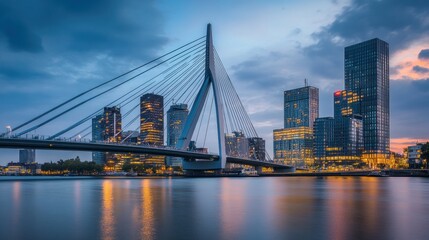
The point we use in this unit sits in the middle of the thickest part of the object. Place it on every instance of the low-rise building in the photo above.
(414, 159)
(22, 168)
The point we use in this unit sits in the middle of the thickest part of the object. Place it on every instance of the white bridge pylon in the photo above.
(210, 80)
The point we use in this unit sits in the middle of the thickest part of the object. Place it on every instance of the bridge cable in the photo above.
(87, 100)
(132, 97)
(102, 84)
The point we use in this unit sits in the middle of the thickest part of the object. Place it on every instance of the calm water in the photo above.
(215, 208)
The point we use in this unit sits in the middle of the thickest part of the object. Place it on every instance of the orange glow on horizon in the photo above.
(398, 144)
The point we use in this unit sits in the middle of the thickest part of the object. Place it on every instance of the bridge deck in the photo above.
(19, 143)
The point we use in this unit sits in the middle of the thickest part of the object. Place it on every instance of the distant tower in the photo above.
(152, 126)
(27, 155)
(176, 118)
(293, 145)
(97, 136)
(348, 129)
(323, 138)
(237, 145)
(112, 121)
(152, 119)
(366, 73)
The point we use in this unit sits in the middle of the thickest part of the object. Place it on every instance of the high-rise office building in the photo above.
(97, 136)
(27, 156)
(176, 118)
(256, 148)
(301, 107)
(152, 126)
(293, 145)
(323, 133)
(112, 132)
(112, 121)
(366, 73)
(152, 119)
(348, 129)
(236, 145)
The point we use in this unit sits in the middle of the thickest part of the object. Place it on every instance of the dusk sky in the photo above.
(52, 50)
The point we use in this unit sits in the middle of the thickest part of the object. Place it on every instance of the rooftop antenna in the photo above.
(305, 82)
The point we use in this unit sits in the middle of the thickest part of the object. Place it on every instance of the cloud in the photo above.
(52, 50)
(419, 69)
(424, 54)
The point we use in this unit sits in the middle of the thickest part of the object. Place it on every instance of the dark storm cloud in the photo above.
(420, 69)
(397, 22)
(52, 50)
(62, 41)
(424, 54)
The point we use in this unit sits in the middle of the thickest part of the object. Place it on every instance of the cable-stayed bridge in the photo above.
(192, 75)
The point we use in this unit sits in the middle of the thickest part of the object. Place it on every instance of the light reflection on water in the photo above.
(215, 208)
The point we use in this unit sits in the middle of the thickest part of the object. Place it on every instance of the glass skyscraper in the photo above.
(112, 132)
(348, 129)
(112, 122)
(176, 118)
(293, 145)
(152, 126)
(301, 107)
(152, 119)
(366, 73)
(97, 136)
(323, 132)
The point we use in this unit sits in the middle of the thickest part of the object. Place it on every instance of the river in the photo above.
(214, 208)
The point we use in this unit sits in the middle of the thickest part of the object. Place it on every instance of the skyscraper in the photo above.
(112, 121)
(176, 118)
(293, 145)
(152, 119)
(236, 145)
(348, 130)
(366, 73)
(112, 132)
(152, 126)
(301, 107)
(97, 136)
(27, 156)
(323, 132)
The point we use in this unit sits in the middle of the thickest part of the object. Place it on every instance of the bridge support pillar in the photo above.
(258, 169)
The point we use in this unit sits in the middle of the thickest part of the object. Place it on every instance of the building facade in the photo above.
(176, 118)
(27, 156)
(112, 122)
(152, 119)
(414, 156)
(97, 136)
(293, 145)
(348, 129)
(366, 73)
(152, 127)
(301, 107)
(256, 148)
(323, 134)
(112, 132)
(236, 145)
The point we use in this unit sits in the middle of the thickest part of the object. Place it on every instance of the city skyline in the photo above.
(280, 54)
